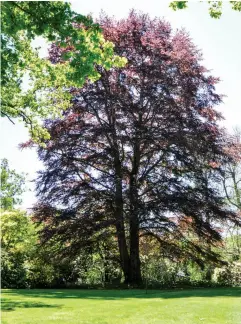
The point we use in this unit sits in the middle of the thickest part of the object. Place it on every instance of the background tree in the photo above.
(21, 22)
(132, 150)
(231, 184)
(215, 7)
(18, 238)
(12, 186)
(232, 172)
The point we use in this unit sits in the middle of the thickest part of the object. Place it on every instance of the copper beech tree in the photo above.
(131, 153)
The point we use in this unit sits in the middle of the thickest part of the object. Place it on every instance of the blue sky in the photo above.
(219, 41)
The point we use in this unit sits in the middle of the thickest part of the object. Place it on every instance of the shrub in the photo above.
(229, 275)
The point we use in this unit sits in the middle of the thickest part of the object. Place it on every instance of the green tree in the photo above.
(55, 21)
(215, 7)
(12, 186)
(17, 241)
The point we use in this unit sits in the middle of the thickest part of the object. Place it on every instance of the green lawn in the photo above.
(122, 306)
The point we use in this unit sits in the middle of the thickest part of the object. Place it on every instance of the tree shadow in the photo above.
(124, 294)
(11, 305)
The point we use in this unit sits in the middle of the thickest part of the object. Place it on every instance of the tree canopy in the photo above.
(21, 22)
(215, 7)
(131, 153)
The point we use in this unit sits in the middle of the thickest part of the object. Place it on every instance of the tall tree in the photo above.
(21, 22)
(131, 152)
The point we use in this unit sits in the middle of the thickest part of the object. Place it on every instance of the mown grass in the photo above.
(219, 306)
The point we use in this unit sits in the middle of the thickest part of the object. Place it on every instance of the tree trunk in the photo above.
(135, 264)
(124, 256)
(119, 218)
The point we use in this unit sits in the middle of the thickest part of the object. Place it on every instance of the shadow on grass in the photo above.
(11, 305)
(122, 294)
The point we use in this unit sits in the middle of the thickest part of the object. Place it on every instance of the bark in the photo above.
(119, 217)
(135, 264)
